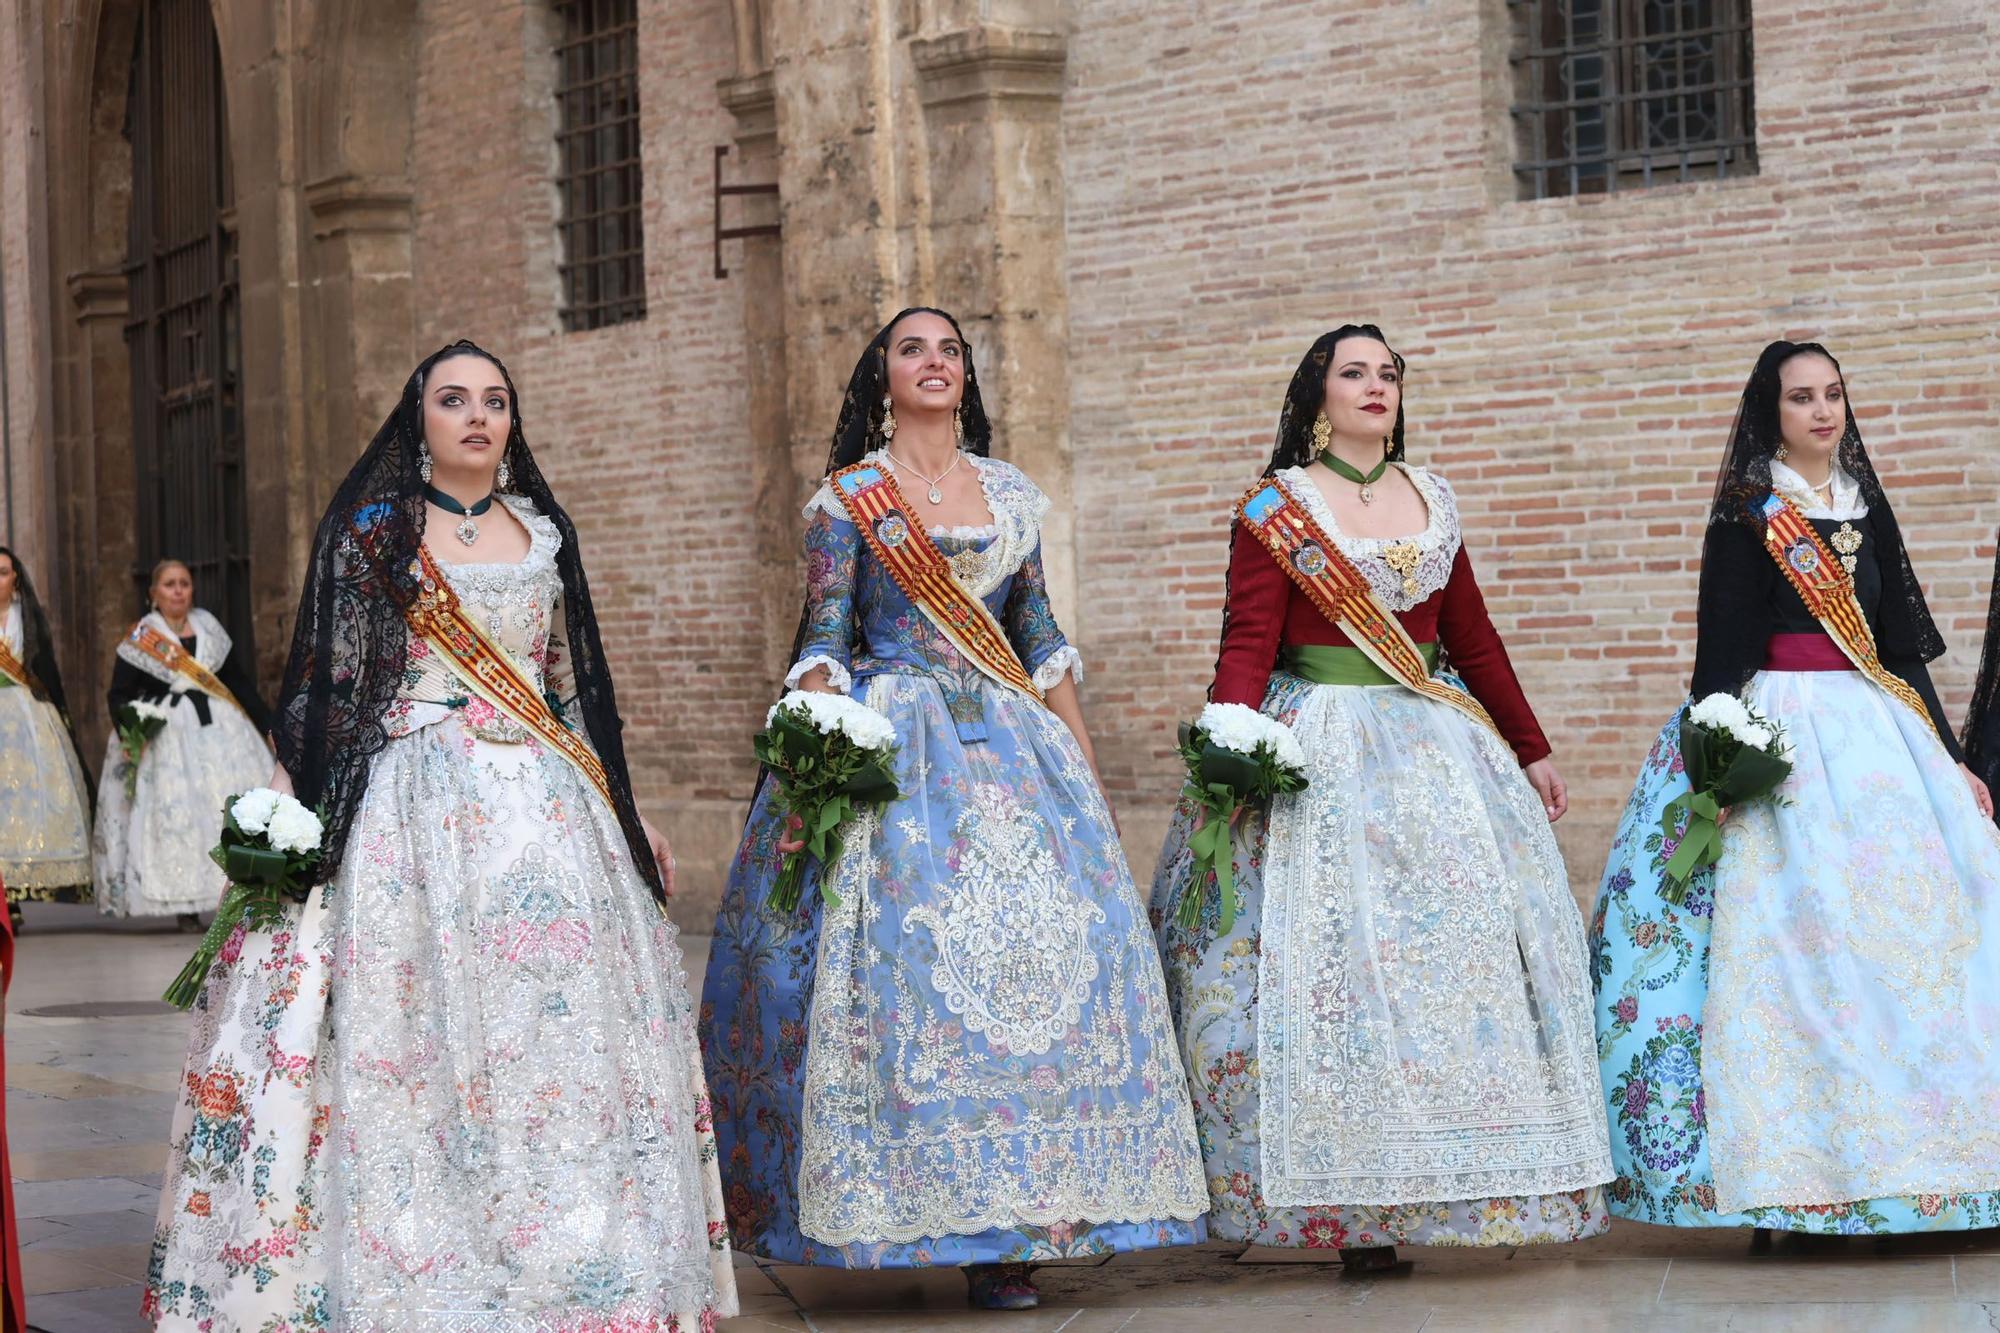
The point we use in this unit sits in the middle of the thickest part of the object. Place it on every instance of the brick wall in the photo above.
(1241, 177)
(637, 425)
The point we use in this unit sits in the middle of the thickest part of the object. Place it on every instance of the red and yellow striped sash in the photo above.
(1828, 593)
(920, 569)
(1270, 514)
(14, 669)
(484, 668)
(173, 657)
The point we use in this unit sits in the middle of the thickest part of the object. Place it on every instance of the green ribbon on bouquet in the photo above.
(1700, 843)
(1214, 854)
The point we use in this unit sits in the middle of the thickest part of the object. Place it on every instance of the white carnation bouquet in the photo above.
(1732, 754)
(1234, 756)
(270, 849)
(830, 754)
(137, 723)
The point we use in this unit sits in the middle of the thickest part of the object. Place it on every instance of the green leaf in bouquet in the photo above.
(1751, 773)
(245, 864)
(1239, 773)
(1697, 753)
(874, 780)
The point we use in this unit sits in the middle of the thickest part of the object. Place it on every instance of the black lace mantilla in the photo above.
(350, 647)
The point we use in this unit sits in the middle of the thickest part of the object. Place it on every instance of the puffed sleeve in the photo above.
(1732, 610)
(1253, 622)
(1031, 627)
(1480, 659)
(833, 561)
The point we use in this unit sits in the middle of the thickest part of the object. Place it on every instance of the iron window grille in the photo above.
(597, 139)
(1623, 94)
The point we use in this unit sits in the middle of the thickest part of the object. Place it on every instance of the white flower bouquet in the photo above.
(1234, 756)
(1732, 754)
(270, 849)
(137, 722)
(830, 754)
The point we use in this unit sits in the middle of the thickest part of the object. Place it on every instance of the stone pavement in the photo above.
(89, 1095)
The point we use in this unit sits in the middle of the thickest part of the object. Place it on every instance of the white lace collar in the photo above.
(211, 644)
(1436, 545)
(1017, 505)
(1847, 502)
(543, 543)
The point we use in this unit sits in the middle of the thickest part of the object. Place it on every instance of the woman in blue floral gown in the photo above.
(968, 1060)
(1808, 1040)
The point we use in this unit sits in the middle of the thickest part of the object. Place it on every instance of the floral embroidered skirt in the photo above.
(459, 1090)
(1391, 1044)
(44, 805)
(1810, 1041)
(152, 850)
(969, 1059)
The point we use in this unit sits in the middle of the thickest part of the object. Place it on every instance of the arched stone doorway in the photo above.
(183, 326)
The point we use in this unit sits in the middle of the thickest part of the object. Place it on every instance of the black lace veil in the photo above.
(351, 644)
(1982, 721)
(1307, 395)
(1906, 630)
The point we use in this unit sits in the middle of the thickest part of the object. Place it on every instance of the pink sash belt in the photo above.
(1812, 651)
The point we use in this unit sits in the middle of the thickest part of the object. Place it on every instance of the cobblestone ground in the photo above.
(89, 1093)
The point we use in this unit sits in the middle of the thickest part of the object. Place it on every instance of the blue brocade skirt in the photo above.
(970, 1059)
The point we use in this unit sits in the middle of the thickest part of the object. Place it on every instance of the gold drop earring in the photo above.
(888, 420)
(1322, 434)
(958, 425)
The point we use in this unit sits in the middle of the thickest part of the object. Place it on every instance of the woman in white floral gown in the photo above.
(459, 1088)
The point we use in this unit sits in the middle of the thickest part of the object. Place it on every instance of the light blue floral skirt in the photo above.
(1858, 779)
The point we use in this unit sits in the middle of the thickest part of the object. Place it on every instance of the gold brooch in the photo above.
(1847, 543)
(1403, 557)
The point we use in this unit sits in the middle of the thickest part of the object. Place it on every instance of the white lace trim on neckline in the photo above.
(1436, 546)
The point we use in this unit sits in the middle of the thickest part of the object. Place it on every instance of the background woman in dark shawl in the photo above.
(968, 1061)
(156, 817)
(511, 1129)
(1808, 1041)
(44, 796)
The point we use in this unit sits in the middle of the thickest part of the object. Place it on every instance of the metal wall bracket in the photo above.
(723, 233)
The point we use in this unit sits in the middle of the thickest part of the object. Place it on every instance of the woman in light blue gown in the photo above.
(1810, 1040)
(969, 1060)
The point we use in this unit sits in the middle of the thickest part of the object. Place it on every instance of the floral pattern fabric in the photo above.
(44, 805)
(460, 1090)
(969, 1059)
(1238, 1016)
(1651, 962)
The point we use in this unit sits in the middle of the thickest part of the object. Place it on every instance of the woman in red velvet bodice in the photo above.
(1391, 1043)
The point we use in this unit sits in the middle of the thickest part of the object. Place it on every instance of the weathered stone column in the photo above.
(992, 98)
(758, 265)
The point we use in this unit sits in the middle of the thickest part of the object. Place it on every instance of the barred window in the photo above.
(1621, 94)
(597, 137)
